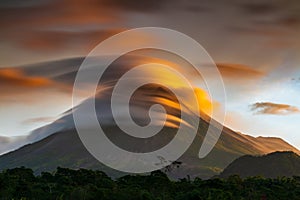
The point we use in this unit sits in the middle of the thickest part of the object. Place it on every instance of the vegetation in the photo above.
(20, 183)
(272, 165)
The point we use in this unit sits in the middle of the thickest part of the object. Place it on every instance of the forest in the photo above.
(22, 184)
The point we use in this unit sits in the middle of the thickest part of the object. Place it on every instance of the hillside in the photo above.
(272, 165)
(65, 149)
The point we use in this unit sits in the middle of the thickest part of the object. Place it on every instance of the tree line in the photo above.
(22, 184)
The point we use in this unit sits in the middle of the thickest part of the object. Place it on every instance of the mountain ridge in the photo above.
(272, 165)
(65, 149)
(58, 143)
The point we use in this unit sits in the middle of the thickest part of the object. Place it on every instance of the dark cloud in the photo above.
(291, 20)
(274, 108)
(55, 26)
(296, 79)
(257, 30)
(40, 15)
(59, 40)
(73, 27)
(259, 8)
(198, 9)
(20, 3)
(136, 5)
(296, 82)
(267, 18)
(67, 12)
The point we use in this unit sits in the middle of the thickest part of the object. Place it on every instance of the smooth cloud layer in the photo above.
(239, 71)
(14, 83)
(274, 108)
(56, 26)
(15, 77)
(39, 120)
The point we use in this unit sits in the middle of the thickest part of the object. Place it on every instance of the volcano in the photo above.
(58, 144)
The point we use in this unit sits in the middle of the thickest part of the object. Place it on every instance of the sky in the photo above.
(255, 45)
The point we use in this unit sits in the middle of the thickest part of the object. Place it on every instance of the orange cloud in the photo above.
(15, 83)
(205, 103)
(230, 70)
(274, 108)
(15, 77)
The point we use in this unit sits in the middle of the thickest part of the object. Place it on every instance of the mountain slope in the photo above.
(66, 150)
(59, 145)
(63, 147)
(277, 164)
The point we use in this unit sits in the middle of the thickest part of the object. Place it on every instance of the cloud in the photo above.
(49, 40)
(39, 120)
(240, 79)
(15, 84)
(53, 26)
(136, 5)
(259, 8)
(239, 71)
(11, 143)
(274, 108)
(57, 13)
(296, 80)
(272, 13)
(15, 77)
(58, 26)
